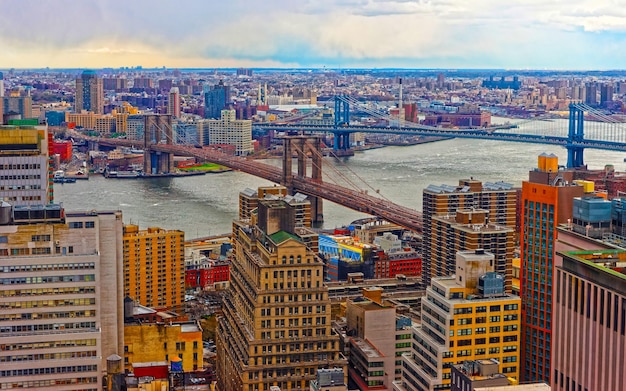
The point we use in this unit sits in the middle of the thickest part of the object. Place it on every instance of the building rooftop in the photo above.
(368, 349)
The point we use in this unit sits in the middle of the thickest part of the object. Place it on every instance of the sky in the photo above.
(509, 34)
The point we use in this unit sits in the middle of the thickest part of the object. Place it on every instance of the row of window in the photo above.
(19, 177)
(47, 315)
(42, 371)
(48, 345)
(81, 224)
(46, 279)
(48, 267)
(48, 356)
(20, 166)
(20, 187)
(47, 327)
(48, 291)
(37, 384)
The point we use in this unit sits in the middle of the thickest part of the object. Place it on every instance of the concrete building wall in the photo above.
(60, 301)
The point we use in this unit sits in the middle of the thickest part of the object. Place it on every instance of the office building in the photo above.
(499, 199)
(173, 103)
(89, 93)
(276, 325)
(1, 87)
(25, 171)
(589, 321)
(231, 131)
(17, 106)
(467, 316)
(468, 229)
(547, 200)
(249, 198)
(61, 297)
(216, 99)
(154, 266)
(376, 337)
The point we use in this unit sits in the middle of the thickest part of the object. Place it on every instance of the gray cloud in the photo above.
(307, 31)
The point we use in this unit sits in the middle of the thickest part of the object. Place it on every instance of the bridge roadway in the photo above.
(483, 134)
(356, 200)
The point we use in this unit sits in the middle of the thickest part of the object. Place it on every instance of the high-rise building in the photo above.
(216, 99)
(276, 325)
(499, 199)
(117, 84)
(606, 93)
(468, 229)
(589, 321)
(591, 94)
(464, 317)
(25, 172)
(17, 105)
(154, 266)
(173, 103)
(89, 93)
(231, 131)
(1, 86)
(376, 337)
(547, 200)
(61, 297)
(249, 198)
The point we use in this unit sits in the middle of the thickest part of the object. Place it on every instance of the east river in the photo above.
(206, 205)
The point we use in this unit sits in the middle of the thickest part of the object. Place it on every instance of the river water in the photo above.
(206, 205)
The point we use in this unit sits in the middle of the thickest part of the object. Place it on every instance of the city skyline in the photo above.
(342, 33)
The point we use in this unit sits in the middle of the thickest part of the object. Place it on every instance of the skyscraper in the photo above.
(1, 86)
(467, 316)
(499, 199)
(216, 98)
(61, 297)
(547, 200)
(25, 176)
(154, 262)
(589, 321)
(17, 104)
(173, 103)
(276, 323)
(89, 93)
(469, 229)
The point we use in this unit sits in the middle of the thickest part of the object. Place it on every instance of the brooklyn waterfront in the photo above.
(206, 205)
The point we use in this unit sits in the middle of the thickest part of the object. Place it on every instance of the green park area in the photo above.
(205, 167)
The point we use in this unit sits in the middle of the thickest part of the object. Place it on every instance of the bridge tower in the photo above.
(302, 147)
(157, 130)
(575, 135)
(342, 118)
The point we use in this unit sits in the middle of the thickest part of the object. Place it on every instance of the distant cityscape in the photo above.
(496, 287)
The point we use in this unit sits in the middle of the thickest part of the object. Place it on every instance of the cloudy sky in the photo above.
(513, 34)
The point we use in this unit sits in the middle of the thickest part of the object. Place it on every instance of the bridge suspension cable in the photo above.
(345, 178)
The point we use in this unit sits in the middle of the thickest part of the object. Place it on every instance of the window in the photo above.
(76, 224)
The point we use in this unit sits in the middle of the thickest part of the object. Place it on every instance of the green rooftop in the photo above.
(281, 236)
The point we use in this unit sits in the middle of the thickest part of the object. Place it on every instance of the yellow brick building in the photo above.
(276, 327)
(464, 317)
(151, 342)
(154, 267)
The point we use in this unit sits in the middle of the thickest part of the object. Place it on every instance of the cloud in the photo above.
(434, 33)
